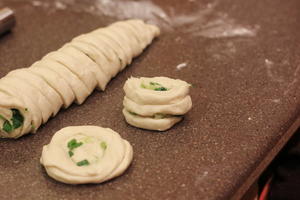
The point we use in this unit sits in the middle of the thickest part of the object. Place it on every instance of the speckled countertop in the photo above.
(242, 58)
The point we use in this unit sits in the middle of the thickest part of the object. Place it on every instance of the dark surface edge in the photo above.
(267, 160)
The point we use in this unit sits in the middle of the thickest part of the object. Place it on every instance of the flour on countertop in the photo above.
(205, 22)
(269, 65)
(181, 66)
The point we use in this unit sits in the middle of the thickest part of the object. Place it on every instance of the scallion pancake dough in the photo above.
(70, 74)
(56, 81)
(85, 74)
(107, 49)
(108, 42)
(86, 62)
(9, 88)
(106, 64)
(111, 37)
(38, 83)
(14, 118)
(75, 87)
(179, 108)
(155, 103)
(160, 123)
(176, 89)
(86, 154)
(36, 97)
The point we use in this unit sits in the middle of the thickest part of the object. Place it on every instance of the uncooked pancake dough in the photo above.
(32, 95)
(86, 154)
(155, 103)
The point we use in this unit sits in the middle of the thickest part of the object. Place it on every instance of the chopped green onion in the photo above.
(17, 118)
(154, 86)
(154, 83)
(133, 113)
(7, 127)
(143, 86)
(71, 153)
(3, 118)
(103, 145)
(82, 163)
(17, 121)
(72, 144)
(161, 89)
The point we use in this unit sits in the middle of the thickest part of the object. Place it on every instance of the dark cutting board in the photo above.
(242, 58)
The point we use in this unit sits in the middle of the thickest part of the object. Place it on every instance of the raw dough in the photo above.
(37, 98)
(87, 63)
(150, 123)
(8, 103)
(85, 74)
(179, 108)
(38, 83)
(86, 154)
(155, 103)
(69, 74)
(54, 79)
(12, 90)
(176, 89)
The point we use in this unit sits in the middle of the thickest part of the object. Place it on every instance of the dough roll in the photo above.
(157, 123)
(179, 108)
(86, 154)
(15, 117)
(39, 84)
(69, 75)
(155, 103)
(156, 90)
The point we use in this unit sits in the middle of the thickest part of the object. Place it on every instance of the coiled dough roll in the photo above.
(179, 108)
(86, 154)
(139, 90)
(15, 118)
(69, 74)
(155, 103)
(158, 123)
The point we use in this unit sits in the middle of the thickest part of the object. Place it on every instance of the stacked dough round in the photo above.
(86, 154)
(30, 96)
(155, 103)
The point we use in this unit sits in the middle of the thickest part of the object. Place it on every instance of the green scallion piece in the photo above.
(71, 153)
(7, 127)
(154, 86)
(103, 145)
(161, 89)
(17, 118)
(72, 144)
(83, 163)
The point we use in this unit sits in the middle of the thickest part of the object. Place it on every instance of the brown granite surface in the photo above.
(242, 58)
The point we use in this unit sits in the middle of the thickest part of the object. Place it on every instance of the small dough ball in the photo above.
(86, 154)
(158, 122)
(156, 90)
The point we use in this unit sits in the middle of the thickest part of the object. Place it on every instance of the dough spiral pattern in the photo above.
(32, 95)
(86, 154)
(155, 103)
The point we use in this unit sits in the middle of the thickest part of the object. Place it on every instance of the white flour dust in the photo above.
(205, 22)
(181, 66)
(287, 84)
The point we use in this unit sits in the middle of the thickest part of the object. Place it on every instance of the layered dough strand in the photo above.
(155, 103)
(86, 154)
(32, 95)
